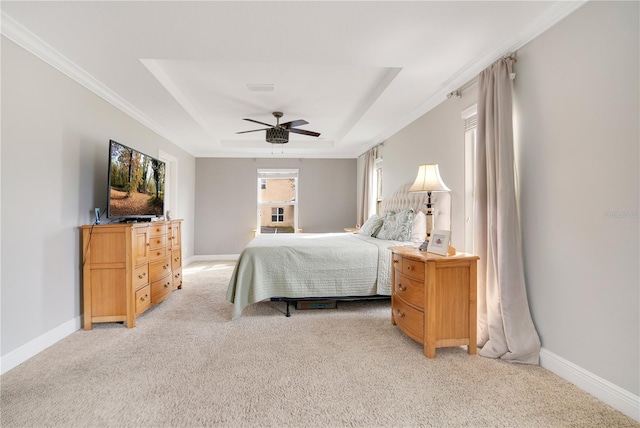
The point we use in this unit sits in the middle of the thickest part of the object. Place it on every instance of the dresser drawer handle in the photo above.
(410, 267)
(143, 298)
(142, 275)
(400, 313)
(167, 285)
(401, 288)
(165, 266)
(396, 261)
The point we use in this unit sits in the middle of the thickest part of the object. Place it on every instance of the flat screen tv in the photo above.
(136, 185)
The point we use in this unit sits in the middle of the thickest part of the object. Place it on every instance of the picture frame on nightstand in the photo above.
(439, 242)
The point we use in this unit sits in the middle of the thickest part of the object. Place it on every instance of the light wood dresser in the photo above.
(127, 268)
(433, 299)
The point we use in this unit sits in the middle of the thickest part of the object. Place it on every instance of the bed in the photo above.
(332, 266)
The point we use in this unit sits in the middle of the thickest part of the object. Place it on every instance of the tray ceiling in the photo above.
(356, 71)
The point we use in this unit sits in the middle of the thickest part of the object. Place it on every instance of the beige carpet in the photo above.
(187, 364)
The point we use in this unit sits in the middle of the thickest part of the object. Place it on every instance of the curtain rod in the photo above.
(458, 92)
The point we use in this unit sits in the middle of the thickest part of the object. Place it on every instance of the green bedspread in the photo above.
(310, 265)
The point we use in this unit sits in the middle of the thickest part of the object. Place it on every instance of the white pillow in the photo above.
(419, 232)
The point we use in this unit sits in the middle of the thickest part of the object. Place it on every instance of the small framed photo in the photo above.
(439, 242)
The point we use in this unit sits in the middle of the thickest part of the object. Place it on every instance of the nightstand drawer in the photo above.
(409, 290)
(413, 268)
(410, 320)
(397, 262)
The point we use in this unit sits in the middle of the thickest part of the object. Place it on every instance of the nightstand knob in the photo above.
(400, 314)
(395, 261)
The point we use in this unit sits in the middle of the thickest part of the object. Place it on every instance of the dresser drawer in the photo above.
(410, 320)
(143, 299)
(158, 241)
(413, 268)
(140, 276)
(159, 268)
(158, 253)
(157, 229)
(176, 259)
(177, 278)
(161, 289)
(409, 290)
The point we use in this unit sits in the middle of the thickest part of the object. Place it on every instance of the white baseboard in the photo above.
(602, 389)
(39, 344)
(212, 257)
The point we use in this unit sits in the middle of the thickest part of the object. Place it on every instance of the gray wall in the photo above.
(577, 142)
(55, 147)
(437, 137)
(577, 94)
(226, 197)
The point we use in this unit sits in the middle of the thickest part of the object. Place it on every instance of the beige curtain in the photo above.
(367, 186)
(505, 327)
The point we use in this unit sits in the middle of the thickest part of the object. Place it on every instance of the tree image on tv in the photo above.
(136, 183)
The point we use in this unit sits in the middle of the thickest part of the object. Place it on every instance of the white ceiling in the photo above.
(356, 71)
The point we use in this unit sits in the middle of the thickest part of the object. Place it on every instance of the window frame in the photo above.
(470, 118)
(277, 174)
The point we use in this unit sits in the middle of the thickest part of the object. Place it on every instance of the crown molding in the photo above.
(557, 12)
(24, 38)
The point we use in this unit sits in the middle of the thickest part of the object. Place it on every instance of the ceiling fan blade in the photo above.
(304, 132)
(293, 123)
(261, 123)
(253, 130)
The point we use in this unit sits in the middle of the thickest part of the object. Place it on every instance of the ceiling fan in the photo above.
(279, 133)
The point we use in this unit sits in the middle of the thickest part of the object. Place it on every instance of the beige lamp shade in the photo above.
(428, 180)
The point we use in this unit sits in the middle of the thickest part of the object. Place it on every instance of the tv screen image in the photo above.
(136, 184)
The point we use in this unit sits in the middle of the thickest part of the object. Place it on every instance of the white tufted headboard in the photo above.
(440, 201)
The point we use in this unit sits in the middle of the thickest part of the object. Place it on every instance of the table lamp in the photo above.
(427, 181)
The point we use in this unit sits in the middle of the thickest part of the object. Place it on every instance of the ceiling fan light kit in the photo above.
(279, 133)
(277, 136)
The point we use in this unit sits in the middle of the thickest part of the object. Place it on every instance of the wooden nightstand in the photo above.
(433, 299)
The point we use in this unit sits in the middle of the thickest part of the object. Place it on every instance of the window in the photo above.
(277, 215)
(377, 179)
(470, 118)
(277, 201)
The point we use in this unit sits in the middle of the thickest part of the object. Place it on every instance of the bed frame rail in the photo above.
(295, 300)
